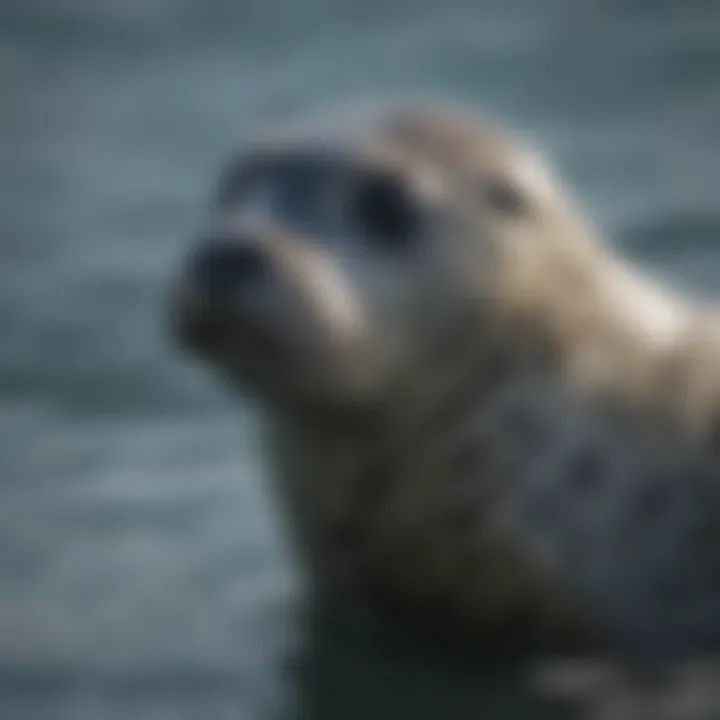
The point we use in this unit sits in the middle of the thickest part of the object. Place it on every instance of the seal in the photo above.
(475, 407)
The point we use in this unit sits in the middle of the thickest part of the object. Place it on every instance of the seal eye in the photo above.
(381, 205)
(504, 197)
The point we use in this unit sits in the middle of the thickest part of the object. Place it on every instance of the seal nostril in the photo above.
(222, 264)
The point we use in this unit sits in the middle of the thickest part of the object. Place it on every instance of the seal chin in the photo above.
(302, 388)
(203, 339)
(194, 329)
(330, 374)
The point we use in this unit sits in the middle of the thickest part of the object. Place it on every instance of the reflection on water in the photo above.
(141, 565)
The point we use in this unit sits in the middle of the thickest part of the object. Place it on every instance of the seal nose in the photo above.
(226, 263)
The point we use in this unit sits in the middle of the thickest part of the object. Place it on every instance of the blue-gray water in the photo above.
(141, 568)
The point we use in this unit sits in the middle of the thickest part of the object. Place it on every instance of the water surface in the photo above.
(142, 573)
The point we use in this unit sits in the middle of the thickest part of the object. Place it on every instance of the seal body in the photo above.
(474, 406)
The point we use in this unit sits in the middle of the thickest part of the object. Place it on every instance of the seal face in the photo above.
(330, 261)
(473, 405)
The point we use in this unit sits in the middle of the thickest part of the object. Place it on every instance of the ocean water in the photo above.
(142, 570)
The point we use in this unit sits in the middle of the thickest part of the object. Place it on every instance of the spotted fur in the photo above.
(540, 448)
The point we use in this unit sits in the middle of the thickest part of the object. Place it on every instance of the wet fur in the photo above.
(547, 459)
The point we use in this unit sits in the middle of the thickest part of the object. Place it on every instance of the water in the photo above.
(142, 573)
